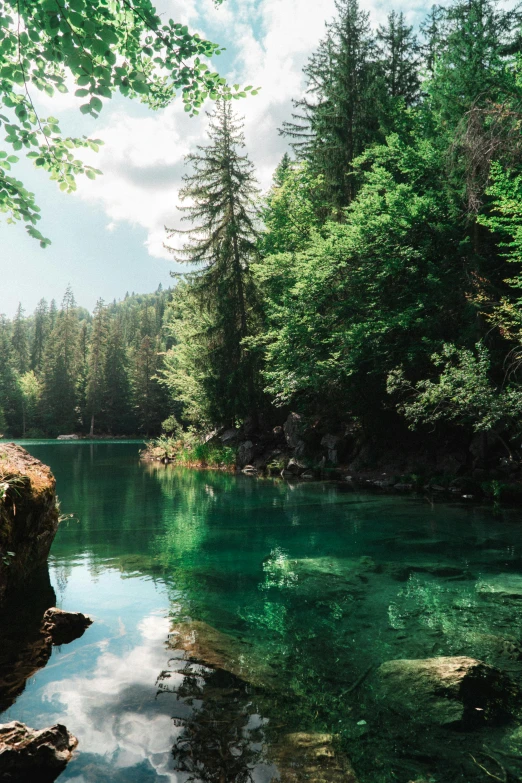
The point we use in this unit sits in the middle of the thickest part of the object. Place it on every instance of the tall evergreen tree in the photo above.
(339, 115)
(60, 370)
(222, 190)
(40, 334)
(398, 51)
(95, 364)
(10, 402)
(20, 341)
(116, 401)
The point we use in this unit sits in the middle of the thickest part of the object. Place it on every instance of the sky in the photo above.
(108, 237)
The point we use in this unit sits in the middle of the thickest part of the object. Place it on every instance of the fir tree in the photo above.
(339, 115)
(222, 190)
(95, 364)
(60, 370)
(20, 341)
(40, 334)
(398, 51)
(116, 401)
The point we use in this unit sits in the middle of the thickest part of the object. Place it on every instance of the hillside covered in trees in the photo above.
(376, 285)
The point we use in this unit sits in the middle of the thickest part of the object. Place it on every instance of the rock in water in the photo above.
(442, 691)
(501, 586)
(64, 627)
(30, 756)
(28, 516)
(311, 757)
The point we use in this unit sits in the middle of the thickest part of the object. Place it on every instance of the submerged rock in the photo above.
(28, 516)
(311, 757)
(31, 756)
(204, 644)
(446, 690)
(501, 586)
(64, 627)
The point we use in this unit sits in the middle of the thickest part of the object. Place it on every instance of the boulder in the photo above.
(245, 453)
(202, 643)
(294, 429)
(446, 690)
(28, 516)
(30, 756)
(331, 443)
(311, 757)
(501, 586)
(64, 627)
(68, 437)
(229, 436)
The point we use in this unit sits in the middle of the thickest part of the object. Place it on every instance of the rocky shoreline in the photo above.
(478, 470)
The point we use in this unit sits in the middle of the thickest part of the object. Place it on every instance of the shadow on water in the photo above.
(24, 648)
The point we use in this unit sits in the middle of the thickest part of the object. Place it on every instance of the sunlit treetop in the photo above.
(96, 47)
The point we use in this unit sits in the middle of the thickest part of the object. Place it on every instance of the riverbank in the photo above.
(480, 468)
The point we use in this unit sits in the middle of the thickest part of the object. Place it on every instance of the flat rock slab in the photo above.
(210, 647)
(64, 627)
(446, 690)
(501, 586)
(31, 756)
(310, 757)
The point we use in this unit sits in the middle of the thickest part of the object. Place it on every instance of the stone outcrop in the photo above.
(294, 428)
(203, 644)
(501, 586)
(64, 627)
(446, 690)
(311, 757)
(28, 515)
(27, 755)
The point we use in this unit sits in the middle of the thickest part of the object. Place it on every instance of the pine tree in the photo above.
(40, 334)
(20, 342)
(95, 364)
(399, 58)
(339, 115)
(149, 396)
(117, 416)
(10, 401)
(222, 190)
(60, 370)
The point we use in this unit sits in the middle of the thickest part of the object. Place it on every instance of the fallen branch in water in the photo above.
(359, 680)
(503, 779)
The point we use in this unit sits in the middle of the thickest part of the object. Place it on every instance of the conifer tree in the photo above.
(116, 400)
(339, 115)
(95, 364)
(222, 242)
(20, 341)
(398, 51)
(60, 370)
(40, 334)
(10, 402)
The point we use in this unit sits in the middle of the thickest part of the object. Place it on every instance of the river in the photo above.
(287, 597)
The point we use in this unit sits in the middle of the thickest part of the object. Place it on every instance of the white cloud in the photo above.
(269, 42)
(89, 706)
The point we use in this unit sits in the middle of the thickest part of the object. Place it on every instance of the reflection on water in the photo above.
(240, 625)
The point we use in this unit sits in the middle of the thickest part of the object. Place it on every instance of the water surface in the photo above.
(285, 596)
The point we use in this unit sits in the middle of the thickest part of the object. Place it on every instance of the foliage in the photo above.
(86, 373)
(186, 448)
(208, 361)
(101, 48)
(462, 393)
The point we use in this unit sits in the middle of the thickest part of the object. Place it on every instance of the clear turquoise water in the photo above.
(292, 591)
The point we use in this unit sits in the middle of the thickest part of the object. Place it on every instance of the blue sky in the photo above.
(108, 237)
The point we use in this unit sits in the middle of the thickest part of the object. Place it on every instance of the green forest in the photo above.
(377, 282)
